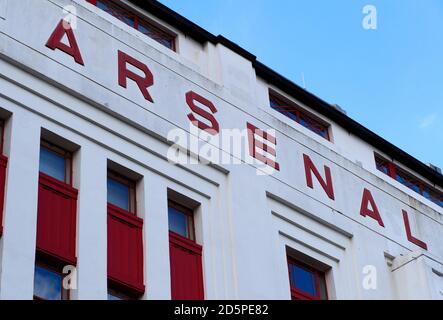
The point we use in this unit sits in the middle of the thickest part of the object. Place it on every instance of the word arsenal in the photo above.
(368, 204)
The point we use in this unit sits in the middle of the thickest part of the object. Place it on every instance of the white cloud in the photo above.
(428, 121)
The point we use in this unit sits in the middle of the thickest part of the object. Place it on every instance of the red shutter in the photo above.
(125, 250)
(56, 219)
(186, 268)
(3, 164)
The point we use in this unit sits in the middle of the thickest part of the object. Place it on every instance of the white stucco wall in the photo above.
(245, 222)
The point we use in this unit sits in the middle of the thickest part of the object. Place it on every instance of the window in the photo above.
(55, 162)
(185, 255)
(121, 192)
(181, 221)
(148, 28)
(408, 180)
(306, 283)
(56, 222)
(48, 284)
(125, 240)
(302, 117)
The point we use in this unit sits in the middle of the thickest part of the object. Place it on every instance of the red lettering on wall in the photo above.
(55, 41)
(254, 144)
(409, 235)
(373, 212)
(143, 83)
(326, 185)
(191, 97)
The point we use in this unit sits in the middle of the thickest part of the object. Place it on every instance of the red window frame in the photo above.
(3, 166)
(297, 294)
(127, 283)
(158, 32)
(296, 113)
(402, 176)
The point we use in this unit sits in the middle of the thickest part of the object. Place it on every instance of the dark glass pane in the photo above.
(178, 222)
(52, 164)
(47, 284)
(411, 184)
(157, 35)
(314, 126)
(118, 194)
(383, 167)
(288, 111)
(305, 281)
(119, 13)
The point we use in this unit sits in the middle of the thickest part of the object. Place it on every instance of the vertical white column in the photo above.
(154, 206)
(90, 172)
(20, 210)
(2, 9)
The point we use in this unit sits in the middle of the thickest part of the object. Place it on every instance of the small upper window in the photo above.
(148, 28)
(121, 192)
(48, 284)
(306, 283)
(181, 221)
(296, 113)
(408, 180)
(55, 162)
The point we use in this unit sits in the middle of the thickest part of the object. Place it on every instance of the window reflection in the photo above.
(47, 284)
(118, 194)
(52, 164)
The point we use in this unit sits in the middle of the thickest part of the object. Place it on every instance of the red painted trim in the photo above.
(409, 235)
(191, 97)
(326, 185)
(365, 211)
(392, 170)
(57, 219)
(93, 2)
(55, 41)
(3, 166)
(254, 144)
(143, 83)
(186, 243)
(125, 251)
(124, 215)
(186, 268)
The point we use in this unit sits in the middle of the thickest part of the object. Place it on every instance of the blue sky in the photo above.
(389, 79)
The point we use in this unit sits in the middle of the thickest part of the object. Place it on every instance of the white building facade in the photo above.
(348, 214)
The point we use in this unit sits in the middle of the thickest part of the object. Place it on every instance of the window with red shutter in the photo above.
(125, 240)
(3, 165)
(56, 220)
(306, 282)
(185, 255)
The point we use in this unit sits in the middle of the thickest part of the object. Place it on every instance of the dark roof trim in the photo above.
(201, 35)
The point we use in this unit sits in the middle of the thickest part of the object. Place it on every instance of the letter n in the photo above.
(373, 212)
(326, 185)
(143, 83)
(55, 41)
